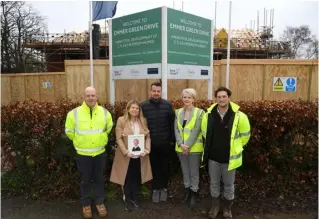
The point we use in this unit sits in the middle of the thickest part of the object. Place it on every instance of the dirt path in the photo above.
(18, 208)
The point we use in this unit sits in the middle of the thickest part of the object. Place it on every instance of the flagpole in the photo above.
(228, 47)
(211, 76)
(215, 14)
(105, 39)
(112, 82)
(91, 46)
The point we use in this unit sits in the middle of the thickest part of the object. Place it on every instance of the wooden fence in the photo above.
(249, 80)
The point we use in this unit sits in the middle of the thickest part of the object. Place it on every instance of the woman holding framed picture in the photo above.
(131, 164)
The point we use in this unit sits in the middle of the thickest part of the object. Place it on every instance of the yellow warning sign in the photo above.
(278, 85)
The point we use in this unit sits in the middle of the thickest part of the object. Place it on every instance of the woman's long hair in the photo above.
(141, 117)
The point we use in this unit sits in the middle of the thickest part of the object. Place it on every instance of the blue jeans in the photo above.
(91, 169)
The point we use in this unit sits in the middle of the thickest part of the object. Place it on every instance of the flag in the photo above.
(103, 9)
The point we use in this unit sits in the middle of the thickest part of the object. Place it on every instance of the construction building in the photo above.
(244, 44)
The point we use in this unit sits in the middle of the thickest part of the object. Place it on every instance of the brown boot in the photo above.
(227, 209)
(214, 209)
(87, 213)
(102, 210)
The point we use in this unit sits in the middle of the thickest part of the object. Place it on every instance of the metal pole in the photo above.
(91, 46)
(164, 53)
(228, 47)
(215, 15)
(211, 76)
(105, 40)
(112, 82)
(258, 21)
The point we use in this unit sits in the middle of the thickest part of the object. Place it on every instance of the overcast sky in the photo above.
(74, 15)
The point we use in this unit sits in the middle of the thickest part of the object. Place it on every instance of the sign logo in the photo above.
(174, 71)
(135, 72)
(191, 71)
(204, 72)
(118, 72)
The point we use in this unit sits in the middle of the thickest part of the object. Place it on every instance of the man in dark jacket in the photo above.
(160, 117)
(226, 130)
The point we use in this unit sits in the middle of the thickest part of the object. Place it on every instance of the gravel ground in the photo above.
(19, 208)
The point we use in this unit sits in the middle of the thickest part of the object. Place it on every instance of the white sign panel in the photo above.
(285, 84)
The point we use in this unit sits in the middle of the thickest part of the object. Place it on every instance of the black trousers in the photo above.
(133, 179)
(91, 169)
(160, 162)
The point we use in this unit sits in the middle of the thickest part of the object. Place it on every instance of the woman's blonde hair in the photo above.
(141, 117)
(190, 91)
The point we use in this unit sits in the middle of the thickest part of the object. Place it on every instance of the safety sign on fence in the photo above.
(285, 84)
(46, 85)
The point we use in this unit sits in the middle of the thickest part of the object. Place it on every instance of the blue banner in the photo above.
(103, 9)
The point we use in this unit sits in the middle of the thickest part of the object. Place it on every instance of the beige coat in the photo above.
(121, 162)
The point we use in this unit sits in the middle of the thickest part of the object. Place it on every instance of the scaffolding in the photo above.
(54, 48)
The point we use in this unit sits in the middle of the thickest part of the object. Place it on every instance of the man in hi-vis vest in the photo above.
(88, 127)
(227, 131)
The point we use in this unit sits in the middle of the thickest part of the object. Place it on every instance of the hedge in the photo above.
(280, 157)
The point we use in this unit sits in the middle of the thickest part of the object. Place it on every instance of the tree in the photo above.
(20, 23)
(299, 39)
(312, 49)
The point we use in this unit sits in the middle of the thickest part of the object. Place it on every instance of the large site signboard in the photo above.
(145, 44)
(136, 45)
(188, 45)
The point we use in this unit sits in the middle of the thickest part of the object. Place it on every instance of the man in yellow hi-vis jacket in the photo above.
(226, 131)
(88, 127)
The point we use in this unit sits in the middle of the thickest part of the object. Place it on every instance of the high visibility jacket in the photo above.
(240, 134)
(189, 135)
(89, 130)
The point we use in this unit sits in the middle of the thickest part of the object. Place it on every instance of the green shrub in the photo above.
(40, 161)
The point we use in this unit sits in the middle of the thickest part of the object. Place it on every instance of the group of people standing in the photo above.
(214, 138)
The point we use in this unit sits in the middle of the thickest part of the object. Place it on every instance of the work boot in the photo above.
(128, 205)
(192, 201)
(163, 195)
(227, 209)
(102, 210)
(186, 197)
(212, 214)
(136, 203)
(156, 196)
(87, 212)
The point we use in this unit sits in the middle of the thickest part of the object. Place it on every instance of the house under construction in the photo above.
(244, 44)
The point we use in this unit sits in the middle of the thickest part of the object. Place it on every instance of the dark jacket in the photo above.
(210, 146)
(219, 132)
(160, 118)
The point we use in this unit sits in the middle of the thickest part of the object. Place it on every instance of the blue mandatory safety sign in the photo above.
(290, 85)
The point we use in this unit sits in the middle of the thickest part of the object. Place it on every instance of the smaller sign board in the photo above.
(285, 84)
(46, 85)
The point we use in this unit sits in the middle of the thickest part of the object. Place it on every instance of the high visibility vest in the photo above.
(89, 133)
(186, 132)
(240, 134)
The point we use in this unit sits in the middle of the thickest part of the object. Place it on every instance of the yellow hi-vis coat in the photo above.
(185, 133)
(89, 134)
(240, 134)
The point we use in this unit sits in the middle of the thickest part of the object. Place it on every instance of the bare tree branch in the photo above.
(20, 22)
(299, 37)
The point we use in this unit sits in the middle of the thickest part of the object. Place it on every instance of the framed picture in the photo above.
(136, 144)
